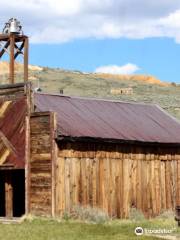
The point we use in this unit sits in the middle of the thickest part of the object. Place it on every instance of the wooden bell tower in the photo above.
(14, 43)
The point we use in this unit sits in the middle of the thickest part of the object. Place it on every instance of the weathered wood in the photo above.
(27, 165)
(168, 191)
(41, 166)
(8, 195)
(11, 64)
(178, 184)
(117, 177)
(163, 186)
(26, 48)
(54, 155)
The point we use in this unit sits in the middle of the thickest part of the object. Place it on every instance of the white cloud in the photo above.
(56, 21)
(114, 69)
(171, 25)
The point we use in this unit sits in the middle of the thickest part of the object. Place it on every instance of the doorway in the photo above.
(12, 193)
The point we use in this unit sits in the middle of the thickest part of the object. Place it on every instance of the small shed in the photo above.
(74, 151)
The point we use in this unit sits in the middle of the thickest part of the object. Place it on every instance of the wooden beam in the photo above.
(27, 165)
(7, 167)
(8, 144)
(8, 195)
(26, 47)
(4, 48)
(54, 155)
(11, 65)
(18, 50)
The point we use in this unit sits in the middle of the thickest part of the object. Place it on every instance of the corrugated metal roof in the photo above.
(81, 117)
(12, 132)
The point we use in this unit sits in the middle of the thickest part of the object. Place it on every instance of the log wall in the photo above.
(39, 168)
(116, 177)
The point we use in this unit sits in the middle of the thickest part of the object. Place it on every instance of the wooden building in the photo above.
(57, 152)
(122, 91)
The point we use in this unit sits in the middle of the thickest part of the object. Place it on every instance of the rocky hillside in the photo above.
(4, 68)
(123, 87)
(141, 78)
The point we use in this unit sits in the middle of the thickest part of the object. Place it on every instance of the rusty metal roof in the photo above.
(12, 132)
(93, 118)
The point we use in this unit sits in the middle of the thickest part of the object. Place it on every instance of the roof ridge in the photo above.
(97, 99)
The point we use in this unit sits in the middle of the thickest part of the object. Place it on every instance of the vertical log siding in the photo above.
(117, 177)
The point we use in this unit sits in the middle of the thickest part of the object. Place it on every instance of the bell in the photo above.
(14, 26)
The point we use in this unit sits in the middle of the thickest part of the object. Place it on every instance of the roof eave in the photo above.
(61, 138)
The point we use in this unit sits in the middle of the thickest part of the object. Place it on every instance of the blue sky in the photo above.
(110, 36)
(155, 56)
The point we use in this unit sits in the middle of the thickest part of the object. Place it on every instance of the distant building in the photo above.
(122, 91)
(61, 91)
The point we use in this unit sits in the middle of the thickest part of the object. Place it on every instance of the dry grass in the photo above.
(49, 229)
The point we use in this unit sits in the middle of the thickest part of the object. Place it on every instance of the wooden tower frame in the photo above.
(9, 44)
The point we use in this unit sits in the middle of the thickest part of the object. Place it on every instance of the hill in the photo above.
(4, 68)
(140, 88)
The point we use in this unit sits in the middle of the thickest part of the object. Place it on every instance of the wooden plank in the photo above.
(144, 194)
(54, 155)
(152, 186)
(126, 187)
(133, 182)
(60, 186)
(117, 210)
(101, 185)
(107, 185)
(87, 179)
(40, 157)
(27, 165)
(4, 49)
(148, 191)
(90, 179)
(163, 186)
(26, 49)
(8, 195)
(8, 144)
(157, 187)
(110, 188)
(178, 184)
(121, 186)
(173, 181)
(168, 193)
(97, 182)
(77, 181)
(11, 64)
(67, 185)
(30, 99)
(113, 193)
(118, 196)
(94, 182)
(139, 183)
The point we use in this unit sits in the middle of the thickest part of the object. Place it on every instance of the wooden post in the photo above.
(53, 127)
(178, 184)
(11, 64)
(26, 47)
(8, 195)
(27, 162)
